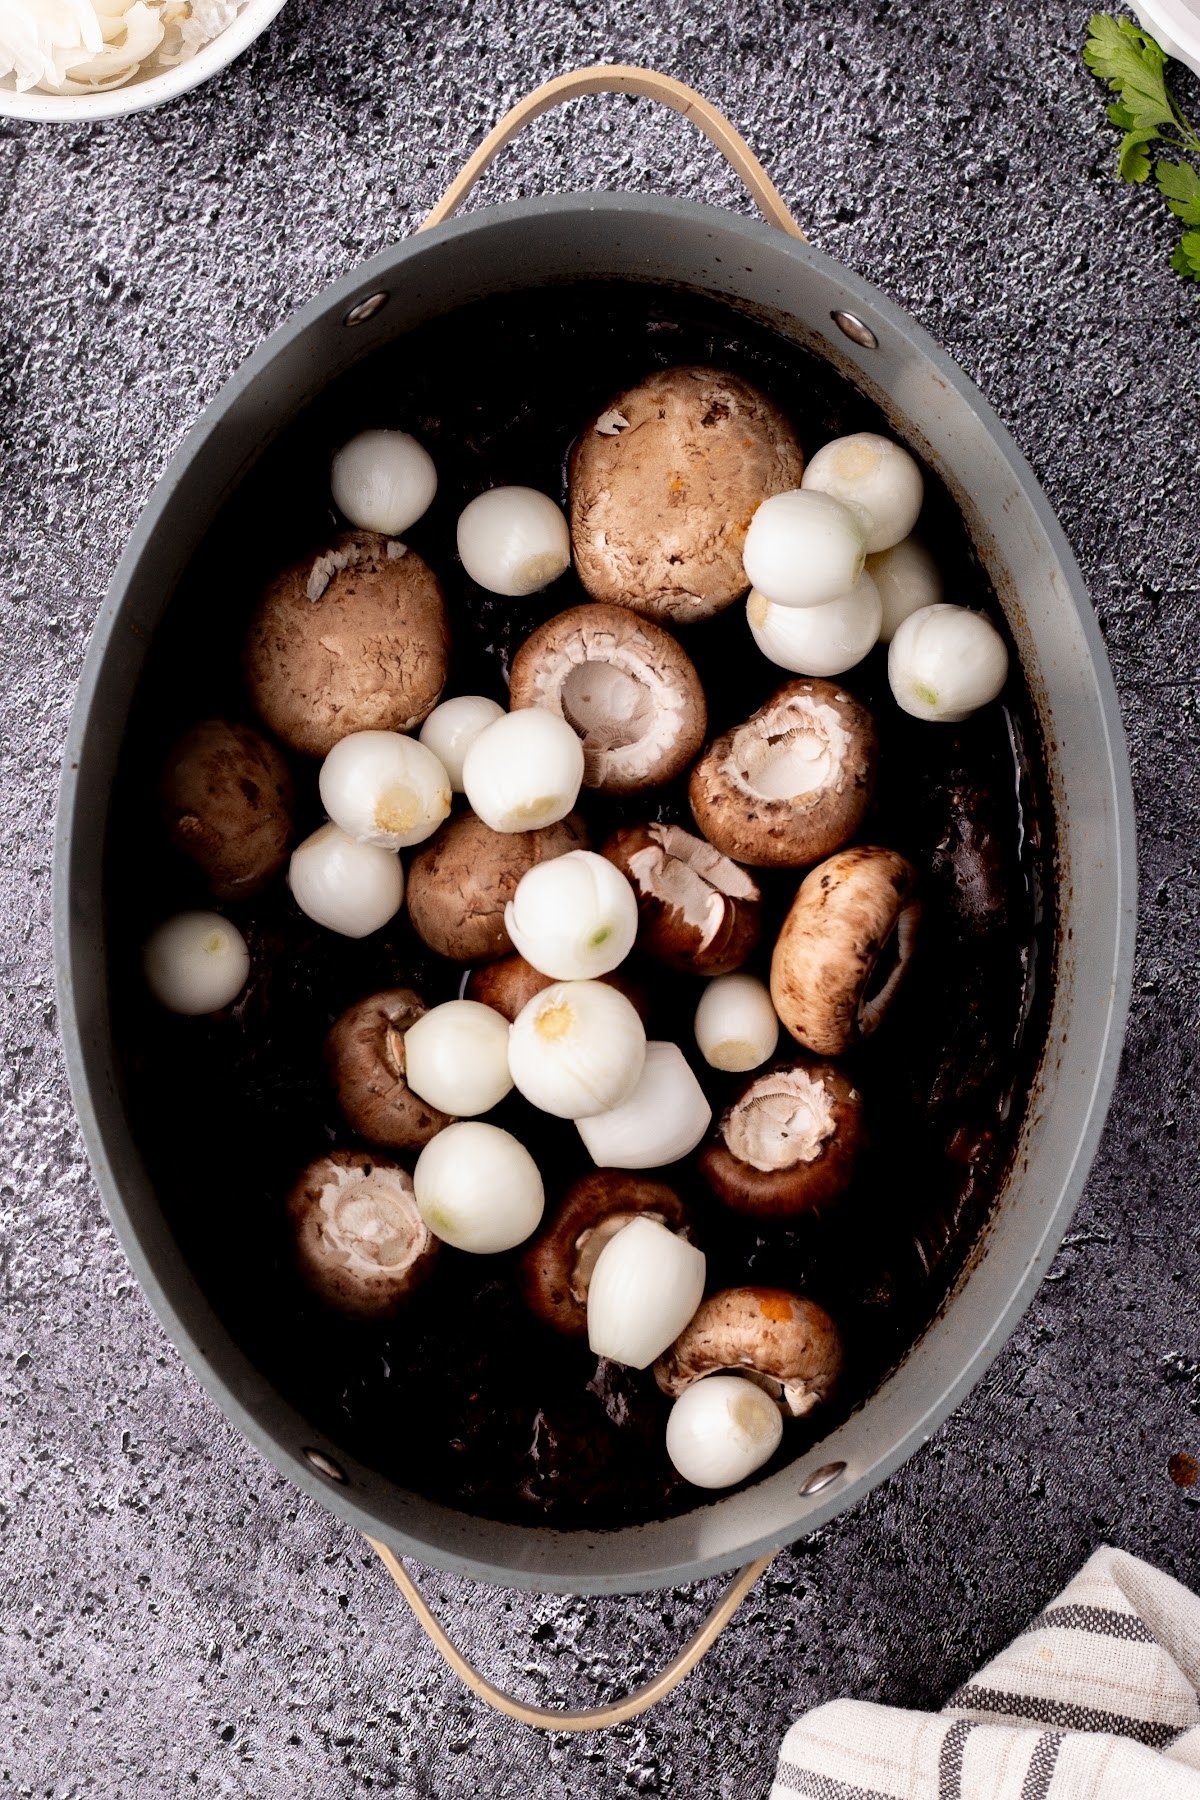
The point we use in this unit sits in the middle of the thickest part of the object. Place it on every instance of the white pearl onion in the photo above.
(456, 1057)
(946, 662)
(383, 481)
(513, 540)
(818, 640)
(736, 1025)
(645, 1288)
(663, 1119)
(524, 770)
(478, 1189)
(873, 474)
(195, 963)
(346, 886)
(577, 1048)
(721, 1429)
(452, 728)
(574, 917)
(907, 578)
(804, 548)
(384, 789)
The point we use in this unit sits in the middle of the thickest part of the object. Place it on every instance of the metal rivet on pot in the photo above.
(821, 1478)
(325, 1465)
(855, 330)
(365, 309)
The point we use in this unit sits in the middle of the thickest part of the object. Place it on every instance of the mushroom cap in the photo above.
(227, 795)
(360, 1243)
(664, 483)
(355, 639)
(785, 1342)
(506, 985)
(462, 878)
(557, 1267)
(699, 911)
(509, 984)
(364, 1053)
(844, 946)
(789, 1142)
(629, 690)
(793, 782)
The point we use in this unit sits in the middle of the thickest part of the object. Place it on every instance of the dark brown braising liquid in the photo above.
(466, 1398)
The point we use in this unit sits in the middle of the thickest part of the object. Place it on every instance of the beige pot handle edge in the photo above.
(595, 1718)
(602, 78)
(623, 78)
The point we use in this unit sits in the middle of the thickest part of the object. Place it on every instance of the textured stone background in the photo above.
(174, 1617)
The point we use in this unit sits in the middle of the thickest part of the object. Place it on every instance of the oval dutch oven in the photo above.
(772, 269)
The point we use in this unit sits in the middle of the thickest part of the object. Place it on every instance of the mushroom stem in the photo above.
(790, 784)
(789, 1143)
(359, 1241)
(628, 690)
(699, 912)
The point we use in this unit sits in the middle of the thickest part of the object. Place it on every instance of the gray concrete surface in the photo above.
(174, 1619)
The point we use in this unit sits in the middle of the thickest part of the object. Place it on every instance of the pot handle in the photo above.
(622, 78)
(602, 78)
(594, 1718)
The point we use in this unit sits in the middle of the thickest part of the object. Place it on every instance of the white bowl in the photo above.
(142, 91)
(1175, 24)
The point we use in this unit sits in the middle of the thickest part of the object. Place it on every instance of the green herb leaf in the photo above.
(1180, 182)
(1132, 64)
(1186, 259)
(1145, 112)
(1133, 158)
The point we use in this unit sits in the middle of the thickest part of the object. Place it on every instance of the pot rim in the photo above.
(571, 1568)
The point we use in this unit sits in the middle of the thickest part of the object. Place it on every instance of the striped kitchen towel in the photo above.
(1096, 1700)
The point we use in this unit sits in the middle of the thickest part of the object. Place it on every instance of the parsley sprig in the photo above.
(1128, 59)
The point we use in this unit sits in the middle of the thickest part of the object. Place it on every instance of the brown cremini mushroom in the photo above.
(227, 796)
(787, 1344)
(793, 782)
(355, 639)
(360, 1243)
(788, 1144)
(509, 984)
(624, 685)
(462, 878)
(664, 483)
(844, 946)
(364, 1053)
(557, 1267)
(506, 985)
(698, 911)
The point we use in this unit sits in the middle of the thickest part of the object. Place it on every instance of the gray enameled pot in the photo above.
(943, 417)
